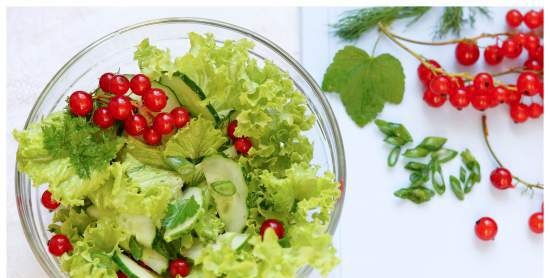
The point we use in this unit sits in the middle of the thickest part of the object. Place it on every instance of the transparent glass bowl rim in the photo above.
(338, 160)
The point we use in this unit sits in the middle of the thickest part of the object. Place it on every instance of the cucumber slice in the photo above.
(194, 252)
(154, 260)
(175, 232)
(232, 209)
(190, 95)
(131, 268)
(141, 227)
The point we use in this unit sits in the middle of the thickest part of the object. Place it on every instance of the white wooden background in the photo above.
(379, 236)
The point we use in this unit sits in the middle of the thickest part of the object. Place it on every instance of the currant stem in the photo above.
(493, 154)
(472, 39)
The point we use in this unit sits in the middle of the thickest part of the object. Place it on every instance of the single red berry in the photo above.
(514, 18)
(434, 99)
(531, 43)
(135, 124)
(120, 107)
(537, 54)
(532, 64)
(48, 201)
(480, 100)
(155, 99)
(456, 82)
(467, 53)
(120, 274)
(532, 19)
(536, 222)
(179, 267)
(243, 145)
(276, 225)
(105, 81)
(501, 178)
(528, 83)
(181, 116)
(459, 98)
(119, 85)
(519, 38)
(519, 112)
(499, 94)
(163, 123)
(231, 129)
(140, 84)
(440, 84)
(486, 228)
(483, 82)
(103, 118)
(425, 74)
(513, 96)
(493, 55)
(59, 244)
(81, 103)
(151, 137)
(510, 48)
(535, 110)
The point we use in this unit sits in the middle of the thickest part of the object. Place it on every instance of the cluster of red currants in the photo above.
(119, 107)
(481, 93)
(532, 19)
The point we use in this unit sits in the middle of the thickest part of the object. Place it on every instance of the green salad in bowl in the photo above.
(196, 166)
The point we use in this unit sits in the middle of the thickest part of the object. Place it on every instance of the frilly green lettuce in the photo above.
(153, 61)
(197, 139)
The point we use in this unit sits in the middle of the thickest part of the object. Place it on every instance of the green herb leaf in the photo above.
(416, 194)
(436, 175)
(454, 18)
(135, 248)
(416, 152)
(168, 250)
(394, 130)
(416, 166)
(444, 155)
(179, 211)
(365, 83)
(455, 186)
(432, 143)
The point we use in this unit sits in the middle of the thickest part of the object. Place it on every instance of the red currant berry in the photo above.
(119, 85)
(519, 38)
(59, 244)
(531, 42)
(483, 82)
(528, 83)
(181, 116)
(120, 274)
(163, 123)
(514, 18)
(440, 84)
(480, 100)
(243, 145)
(81, 103)
(536, 222)
(501, 178)
(179, 268)
(510, 48)
(231, 129)
(276, 225)
(532, 64)
(120, 107)
(486, 228)
(425, 74)
(459, 98)
(513, 96)
(519, 112)
(499, 94)
(434, 99)
(493, 55)
(155, 99)
(535, 110)
(103, 118)
(456, 82)
(48, 201)
(467, 53)
(135, 124)
(151, 137)
(537, 54)
(532, 19)
(140, 84)
(105, 81)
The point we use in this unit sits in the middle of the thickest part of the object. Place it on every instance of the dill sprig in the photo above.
(454, 18)
(356, 22)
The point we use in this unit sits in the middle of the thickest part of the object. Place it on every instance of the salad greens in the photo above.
(193, 196)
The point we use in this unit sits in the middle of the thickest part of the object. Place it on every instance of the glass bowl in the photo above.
(115, 51)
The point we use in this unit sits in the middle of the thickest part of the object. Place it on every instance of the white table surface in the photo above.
(379, 236)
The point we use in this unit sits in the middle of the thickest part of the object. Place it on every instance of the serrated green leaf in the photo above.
(344, 64)
(179, 211)
(387, 78)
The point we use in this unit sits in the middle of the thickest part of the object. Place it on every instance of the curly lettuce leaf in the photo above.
(153, 61)
(88, 262)
(70, 221)
(196, 140)
(208, 226)
(146, 154)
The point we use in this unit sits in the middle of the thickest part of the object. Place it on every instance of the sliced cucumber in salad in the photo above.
(172, 233)
(131, 268)
(141, 227)
(220, 172)
(154, 260)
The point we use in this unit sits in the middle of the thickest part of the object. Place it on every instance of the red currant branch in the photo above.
(519, 69)
(528, 185)
(472, 39)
